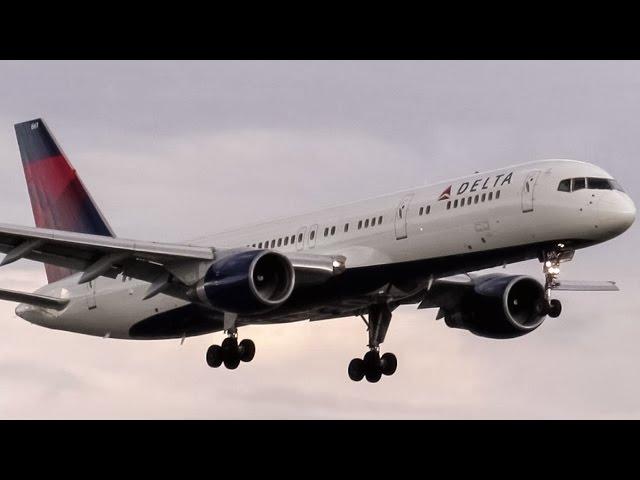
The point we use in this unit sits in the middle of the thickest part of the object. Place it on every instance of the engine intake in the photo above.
(500, 306)
(248, 282)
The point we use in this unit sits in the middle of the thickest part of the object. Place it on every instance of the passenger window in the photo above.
(578, 184)
(373, 222)
(455, 204)
(326, 231)
(366, 223)
(421, 210)
(428, 209)
(359, 224)
(312, 235)
(469, 200)
(448, 205)
(300, 238)
(484, 196)
(286, 241)
(260, 245)
(476, 199)
(346, 227)
(565, 185)
(380, 220)
(273, 243)
(333, 231)
(293, 239)
(490, 196)
(497, 194)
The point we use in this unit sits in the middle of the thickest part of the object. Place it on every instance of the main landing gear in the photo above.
(551, 269)
(373, 366)
(231, 353)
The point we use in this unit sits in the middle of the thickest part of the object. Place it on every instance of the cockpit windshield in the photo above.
(590, 183)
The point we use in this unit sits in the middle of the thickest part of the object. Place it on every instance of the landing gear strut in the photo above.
(373, 366)
(551, 269)
(231, 353)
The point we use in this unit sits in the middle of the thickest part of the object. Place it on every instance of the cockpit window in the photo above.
(616, 185)
(598, 183)
(591, 183)
(565, 185)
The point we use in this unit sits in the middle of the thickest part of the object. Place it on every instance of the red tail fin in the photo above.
(58, 197)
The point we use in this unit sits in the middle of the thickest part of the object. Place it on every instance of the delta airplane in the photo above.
(365, 259)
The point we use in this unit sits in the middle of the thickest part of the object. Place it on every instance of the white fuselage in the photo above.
(510, 207)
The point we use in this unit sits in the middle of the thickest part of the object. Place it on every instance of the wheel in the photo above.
(214, 356)
(356, 369)
(372, 366)
(231, 353)
(389, 363)
(232, 363)
(555, 308)
(247, 350)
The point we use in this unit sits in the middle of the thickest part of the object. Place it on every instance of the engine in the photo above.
(499, 306)
(248, 282)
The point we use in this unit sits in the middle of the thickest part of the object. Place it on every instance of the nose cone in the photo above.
(617, 213)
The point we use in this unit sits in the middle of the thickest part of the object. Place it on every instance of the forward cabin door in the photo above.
(527, 191)
(401, 217)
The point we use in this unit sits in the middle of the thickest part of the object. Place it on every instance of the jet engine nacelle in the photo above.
(248, 282)
(500, 306)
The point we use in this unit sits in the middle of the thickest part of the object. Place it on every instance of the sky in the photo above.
(176, 150)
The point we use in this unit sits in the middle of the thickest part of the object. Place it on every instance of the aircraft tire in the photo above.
(555, 308)
(356, 369)
(214, 356)
(247, 350)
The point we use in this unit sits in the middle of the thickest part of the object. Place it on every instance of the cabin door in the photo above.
(527, 191)
(401, 217)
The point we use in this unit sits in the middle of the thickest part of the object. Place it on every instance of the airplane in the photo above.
(422, 246)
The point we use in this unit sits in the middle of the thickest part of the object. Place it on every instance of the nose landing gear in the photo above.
(373, 366)
(231, 353)
(551, 269)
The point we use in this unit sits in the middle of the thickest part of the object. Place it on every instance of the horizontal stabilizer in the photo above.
(585, 286)
(34, 299)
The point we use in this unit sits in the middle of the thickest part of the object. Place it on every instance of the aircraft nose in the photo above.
(616, 213)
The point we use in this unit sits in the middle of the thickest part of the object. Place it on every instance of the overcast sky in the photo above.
(175, 150)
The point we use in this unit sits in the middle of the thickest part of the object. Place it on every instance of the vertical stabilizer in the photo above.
(59, 199)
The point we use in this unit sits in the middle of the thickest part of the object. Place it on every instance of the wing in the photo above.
(153, 262)
(446, 293)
